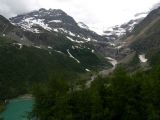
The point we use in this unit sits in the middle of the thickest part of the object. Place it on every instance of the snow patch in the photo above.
(19, 44)
(37, 47)
(142, 58)
(88, 39)
(58, 51)
(76, 47)
(70, 55)
(30, 22)
(93, 51)
(72, 34)
(49, 47)
(119, 47)
(55, 21)
(87, 70)
(66, 31)
(112, 61)
(74, 40)
(55, 30)
(111, 44)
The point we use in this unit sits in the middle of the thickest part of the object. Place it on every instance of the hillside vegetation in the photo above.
(120, 96)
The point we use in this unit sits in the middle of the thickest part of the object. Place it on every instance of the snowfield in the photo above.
(142, 58)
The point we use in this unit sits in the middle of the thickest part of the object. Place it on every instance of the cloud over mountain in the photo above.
(95, 13)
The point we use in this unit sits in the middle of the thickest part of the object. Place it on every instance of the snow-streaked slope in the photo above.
(70, 55)
(55, 20)
(31, 23)
(74, 40)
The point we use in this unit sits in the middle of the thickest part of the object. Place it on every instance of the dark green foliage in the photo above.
(2, 106)
(20, 69)
(60, 42)
(118, 97)
(88, 59)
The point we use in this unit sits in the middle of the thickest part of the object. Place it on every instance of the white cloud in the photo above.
(95, 13)
(13, 7)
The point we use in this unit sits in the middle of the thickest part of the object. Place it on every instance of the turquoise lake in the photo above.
(17, 109)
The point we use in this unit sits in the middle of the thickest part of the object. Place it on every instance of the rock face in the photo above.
(55, 20)
(55, 31)
(143, 42)
(145, 36)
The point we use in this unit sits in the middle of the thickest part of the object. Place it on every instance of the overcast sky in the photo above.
(95, 13)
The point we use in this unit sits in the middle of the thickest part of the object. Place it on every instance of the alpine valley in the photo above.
(76, 74)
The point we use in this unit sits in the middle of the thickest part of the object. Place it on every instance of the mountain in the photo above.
(54, 41)
(55, 20)
(118, 31)
(148, 28)
(49, 54)
(146, 36)
(55, 29)
(143, 43)
(36, 45)
(122, 95)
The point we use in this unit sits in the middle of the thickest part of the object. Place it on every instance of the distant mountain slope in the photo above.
(117, 32)
(37, 34)
(146, 34)
(55, 29)
(144, 41)
(29, 57)
(54, 20)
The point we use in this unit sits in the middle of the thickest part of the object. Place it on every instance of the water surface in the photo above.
(17, 109)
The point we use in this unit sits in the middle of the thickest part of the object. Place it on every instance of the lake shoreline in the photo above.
(21, 104)
(2, 107)
(23, 97)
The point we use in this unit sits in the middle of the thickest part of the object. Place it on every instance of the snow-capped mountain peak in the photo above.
(46, 19)
(55, 21)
